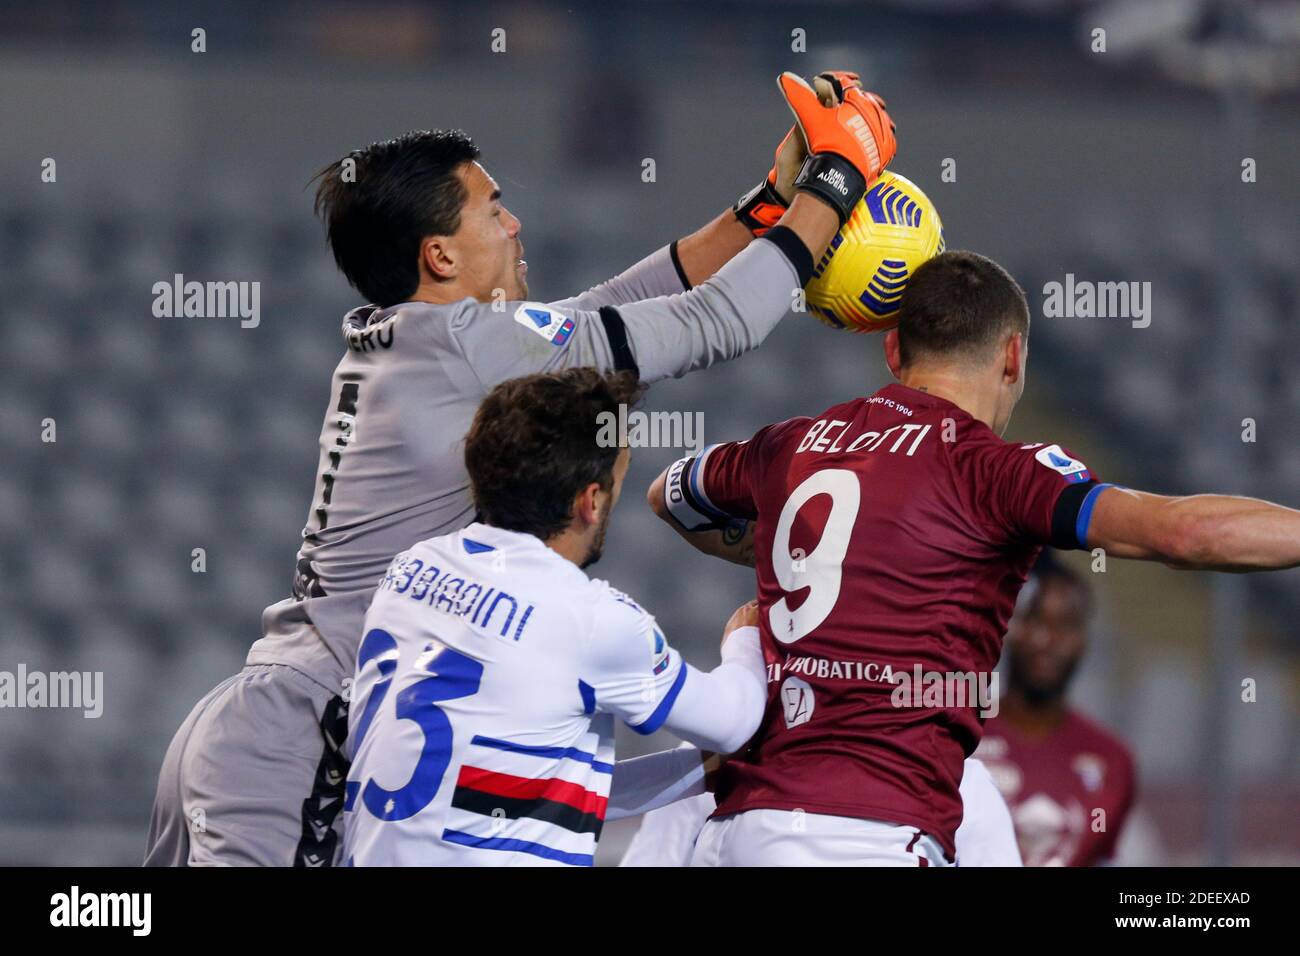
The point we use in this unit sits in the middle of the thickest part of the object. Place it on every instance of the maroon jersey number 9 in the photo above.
(820, 569)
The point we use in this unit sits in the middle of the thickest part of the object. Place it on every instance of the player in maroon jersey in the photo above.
(1069, 783)
(891, 535)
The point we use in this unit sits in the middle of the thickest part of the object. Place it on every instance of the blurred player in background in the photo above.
(1070, 783)
(986, 836)
(509, 665)
(891, 535)
(419, 228)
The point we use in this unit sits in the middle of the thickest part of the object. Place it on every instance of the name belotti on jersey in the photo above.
(828, 437)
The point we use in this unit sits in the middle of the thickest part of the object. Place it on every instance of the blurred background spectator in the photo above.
(1069, 783)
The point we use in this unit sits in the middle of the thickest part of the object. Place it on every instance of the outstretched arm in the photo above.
(732, 311)
(709, 248)
(671, 269)
(1196, 532)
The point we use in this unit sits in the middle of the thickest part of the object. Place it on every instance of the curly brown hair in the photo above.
(532, 446)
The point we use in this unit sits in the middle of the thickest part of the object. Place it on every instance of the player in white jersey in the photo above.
(492, 668)
(668, 835)
(255, 773)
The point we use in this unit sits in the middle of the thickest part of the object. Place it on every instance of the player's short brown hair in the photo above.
(533, 446)
(379, 207)
(957, 305)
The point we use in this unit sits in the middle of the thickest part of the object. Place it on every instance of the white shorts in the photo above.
(796, 838)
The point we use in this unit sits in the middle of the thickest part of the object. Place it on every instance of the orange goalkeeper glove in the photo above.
(761, 207)
(849, 144)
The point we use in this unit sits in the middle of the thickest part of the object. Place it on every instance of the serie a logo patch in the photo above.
(660, 651)
(550, 324)
(1054, 458)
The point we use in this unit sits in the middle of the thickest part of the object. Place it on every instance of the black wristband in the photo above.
(800, 255)
(760, 209)
(619, 347)
(834, 179)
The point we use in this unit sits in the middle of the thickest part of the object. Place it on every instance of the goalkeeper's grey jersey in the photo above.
(391, 469)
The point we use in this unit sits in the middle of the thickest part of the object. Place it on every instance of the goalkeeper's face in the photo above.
(490, 255)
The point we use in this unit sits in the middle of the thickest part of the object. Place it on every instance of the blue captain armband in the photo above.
(1073, 514)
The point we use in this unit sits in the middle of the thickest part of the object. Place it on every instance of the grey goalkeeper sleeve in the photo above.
(659, 273)
(663, 337)
(723, 317)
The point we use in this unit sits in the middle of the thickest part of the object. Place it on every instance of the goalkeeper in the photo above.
(255, 774)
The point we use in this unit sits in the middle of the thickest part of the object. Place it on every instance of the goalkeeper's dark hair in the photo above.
(380, 206)
(957, 305)
(533, 446)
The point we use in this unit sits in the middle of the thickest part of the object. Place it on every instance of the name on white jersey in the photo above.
(458, 596)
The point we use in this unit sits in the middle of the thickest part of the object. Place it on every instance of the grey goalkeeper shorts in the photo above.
(254, 776)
